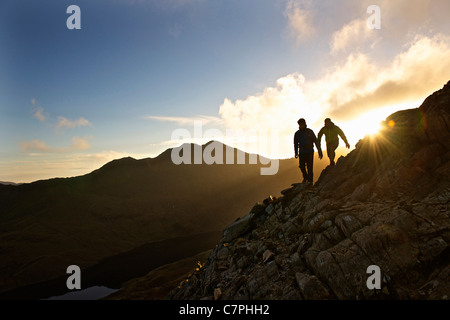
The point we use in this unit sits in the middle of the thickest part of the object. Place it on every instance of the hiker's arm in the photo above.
(343, 137)
(296, 145)
(317, 143)
(319, 136)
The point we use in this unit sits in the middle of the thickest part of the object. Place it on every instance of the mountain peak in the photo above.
(118, 163)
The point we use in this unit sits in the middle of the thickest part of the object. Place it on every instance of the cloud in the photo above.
(402, 17)
(39, 114)
(400, 20)
(46, 166)
(412, 75)
(186, 120)
(347, 91)
(300, 21)
(66, 123)
(80, 143)
(38, 111)
(276, 107)
(35, 145)
(352, 35)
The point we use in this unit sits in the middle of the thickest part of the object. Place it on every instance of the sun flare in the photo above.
(368, 124)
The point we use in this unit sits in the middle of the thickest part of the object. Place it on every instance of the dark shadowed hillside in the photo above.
(48, 225)
(385, 204)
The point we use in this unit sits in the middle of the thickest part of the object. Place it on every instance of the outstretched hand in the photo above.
(347, 145)
(296, 156)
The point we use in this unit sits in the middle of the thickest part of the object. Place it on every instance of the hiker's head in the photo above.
(301, 123)
(328, 122)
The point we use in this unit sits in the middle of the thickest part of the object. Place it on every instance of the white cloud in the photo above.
(186, 120)
(403, 17)
(80, 143)
(412, 75)
(66, 123)
(400, 20)
(35, 145)
(353, 35)
(347, 91)
(300, 21)
(39, 114)
(274, 108)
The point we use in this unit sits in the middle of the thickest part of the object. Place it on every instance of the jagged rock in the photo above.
(271, 269)
(297, 263)
(242, 262)
(333, 234)
(311, 223)
(310, 287)
(268, 200)
(217, 294)
(320, 242)
(385, 204)
(223, 253)
(348, 224)
(432, 249)
(361, 192)
(304, 244)
(287, 191)
(428, 288)
(267, 255)
(258, 210)
(289, 228)
(237, 228)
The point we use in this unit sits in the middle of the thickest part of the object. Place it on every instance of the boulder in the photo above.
(237, 228)
(311, 288)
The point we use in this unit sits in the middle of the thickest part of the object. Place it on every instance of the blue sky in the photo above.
(71, 100)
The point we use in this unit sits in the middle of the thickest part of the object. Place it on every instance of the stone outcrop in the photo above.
(385, 204)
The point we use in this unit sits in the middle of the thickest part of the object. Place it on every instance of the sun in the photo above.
(362, 127)
(370, 122)
(367, 124)
(371, 128)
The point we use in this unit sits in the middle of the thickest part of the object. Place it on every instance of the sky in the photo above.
(238, 71)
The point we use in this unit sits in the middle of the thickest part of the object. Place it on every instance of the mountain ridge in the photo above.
(49, 224)
(385, 204)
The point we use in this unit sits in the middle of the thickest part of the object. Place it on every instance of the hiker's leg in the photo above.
(310, 164)
(331, 152)
(332, 155)
(302, 164)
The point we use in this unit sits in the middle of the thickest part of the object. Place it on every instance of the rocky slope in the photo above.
(385, 204)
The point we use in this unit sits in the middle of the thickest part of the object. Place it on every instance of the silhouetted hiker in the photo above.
(304, 149)
(331, 132)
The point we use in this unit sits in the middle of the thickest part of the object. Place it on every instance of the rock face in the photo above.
(385, 204)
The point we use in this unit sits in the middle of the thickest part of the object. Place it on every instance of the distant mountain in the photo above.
(48, 225)
(375, 226)
(7, 183)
